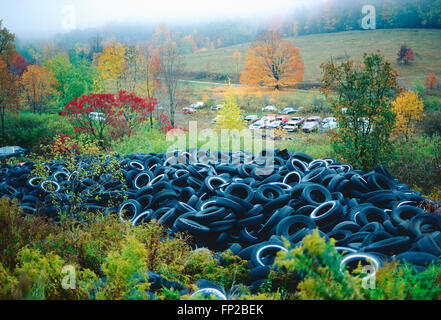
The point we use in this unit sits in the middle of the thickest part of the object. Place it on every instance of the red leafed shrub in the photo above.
(103, 115)
(164, 123)
(65, 144)
(130, 112)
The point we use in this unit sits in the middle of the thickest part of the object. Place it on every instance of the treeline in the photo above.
(332, 16)
(345, 15)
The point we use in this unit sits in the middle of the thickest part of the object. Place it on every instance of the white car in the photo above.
(311, 124)
(252, 118)
(258, 125)
(268, 118)
(291, 126)
(270, 108)
(275, 124)
(288, 111)
(328, 124)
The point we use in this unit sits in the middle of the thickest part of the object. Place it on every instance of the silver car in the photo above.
(311, 124)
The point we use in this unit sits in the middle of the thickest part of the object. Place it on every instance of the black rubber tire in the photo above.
(326, 213)
(416, 224)
(390, 246)
(347, 225)
(290, 225)
(136, 209)
(257, 256)
(210, 214)
(355, 258)
(192, 227)
(371, 214)
(417, 258)
(316, 195)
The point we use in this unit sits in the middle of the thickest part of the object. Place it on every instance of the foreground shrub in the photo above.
(404, 283)
(229, 271)
(311, 271)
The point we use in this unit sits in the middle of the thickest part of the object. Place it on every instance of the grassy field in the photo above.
(321, 47)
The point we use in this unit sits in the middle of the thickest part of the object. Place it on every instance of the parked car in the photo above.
(188, 110)
(252, 118)
(288, 111)
(298, 120)
(258, 125)
(97, 116)
(311, 124)
(13, 151)
(269, 118)
(328, 124)
(216, 107)
(270, 109)
(275, 124)
(291, 126)
(284, 119)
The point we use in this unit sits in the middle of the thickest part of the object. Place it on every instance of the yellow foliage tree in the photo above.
(408, 108)
(272, 62)
(39, 88)
(229, 117)
(112, 63)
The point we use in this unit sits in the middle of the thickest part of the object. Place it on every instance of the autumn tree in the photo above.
(229, 116)
(119, 115)
(8, 93)
(272, 62)
(172, 65)
(112, 63)
(8, 81)
(39, 88)
(405, 55)
(361, 96)
(18, 64)
(162, 34)
(408, 108)
(149, 71)
(431, 81)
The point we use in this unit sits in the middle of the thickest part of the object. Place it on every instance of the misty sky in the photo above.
(30, 18)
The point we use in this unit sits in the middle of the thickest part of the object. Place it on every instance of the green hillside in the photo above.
(426, 44)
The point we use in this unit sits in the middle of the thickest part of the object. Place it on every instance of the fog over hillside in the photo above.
(43, 18)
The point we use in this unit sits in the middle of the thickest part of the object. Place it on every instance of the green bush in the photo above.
(30, 130)
(431, 123)
(395, 282)
(418, 162)
(144, 140)
(311, 271)
(432, 102)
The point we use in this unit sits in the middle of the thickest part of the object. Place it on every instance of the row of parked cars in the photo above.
(292, 124)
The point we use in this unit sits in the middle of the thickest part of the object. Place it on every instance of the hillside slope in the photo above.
(315, 49)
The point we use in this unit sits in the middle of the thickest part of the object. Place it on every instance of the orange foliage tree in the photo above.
(39, 87)
(272, 62)
(431, 80)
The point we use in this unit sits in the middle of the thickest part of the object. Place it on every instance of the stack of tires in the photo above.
(248, 202)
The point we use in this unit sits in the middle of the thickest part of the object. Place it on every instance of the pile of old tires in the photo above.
(247, 202)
